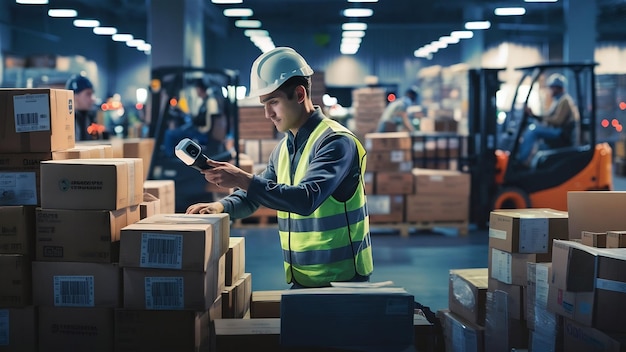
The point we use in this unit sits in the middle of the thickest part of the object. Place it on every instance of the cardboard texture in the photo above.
(15, 281)
(17, 230)
(596, 211)
(75, 329)
(467, 292)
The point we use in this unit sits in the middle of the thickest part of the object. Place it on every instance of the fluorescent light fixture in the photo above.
(473, 25)
(62, 13)
(135, 43)
(351, 40)
(238, 12)
(421, 52)
(348, 49)
(86, 23)
(354, 26)
(448, 39)
(256, 32)
(260, 40)
(358, 12)
(540, 0)
(122, 37)
(439, 45)
(362, 0)
(248, 24)
(462, 34)
(145, 47)
(509, 11)
(104, 30)
(31, 2)
(353, 34)
(227, 1)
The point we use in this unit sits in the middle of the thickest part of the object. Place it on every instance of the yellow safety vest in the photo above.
(333, 243)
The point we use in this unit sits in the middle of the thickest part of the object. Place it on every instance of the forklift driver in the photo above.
(556, 126)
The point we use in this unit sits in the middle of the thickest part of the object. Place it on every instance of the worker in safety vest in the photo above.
(314, 179)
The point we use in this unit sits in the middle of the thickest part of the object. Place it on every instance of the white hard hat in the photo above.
(274, 67)
(556, 80)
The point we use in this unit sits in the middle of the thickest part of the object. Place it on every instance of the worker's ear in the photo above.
(300, 93)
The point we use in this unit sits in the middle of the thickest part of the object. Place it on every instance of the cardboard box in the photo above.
(580, 338)
(385, 208)
(236, 335)
(36, 120)
(161, 331)
(235, 259)
(149, 208)
(460, 334)
(503, 332)
(390, 160)
(236, 298)
(79, 235)
(577, 306)
(527, 230)
(74, 284)
(441, 182)
(15, 281)
(368, 318)
(17, 230)
(162, 289)
(165, 191)
(387, 141)
(515, 303)
(536, 295)
(75, 329)
(394, 182)
(18, 329)
(509, 268)
(615, 239)
(466, 294)
(609, 310)
(594, 239)
(141, 148)
(265, 304)
(596, 211)
(91, 184)
(573, 266)
(433, 208)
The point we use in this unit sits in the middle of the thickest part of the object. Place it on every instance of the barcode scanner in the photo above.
(191, 154)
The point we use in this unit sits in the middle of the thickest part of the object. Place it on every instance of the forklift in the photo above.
(173, 115)
(576, 162)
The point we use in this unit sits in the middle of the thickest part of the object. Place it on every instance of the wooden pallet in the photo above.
(262, 217)
(458, 227)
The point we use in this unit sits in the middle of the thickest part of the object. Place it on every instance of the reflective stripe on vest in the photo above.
(333, 243)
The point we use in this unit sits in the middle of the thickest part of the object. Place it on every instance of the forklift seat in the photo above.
(567, 138)
(547, 158)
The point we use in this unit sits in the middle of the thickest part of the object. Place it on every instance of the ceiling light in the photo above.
(122, 37)
(227, 1)
(509, 11)
(477, 25)
(104, 30)
(349, 49)
(353, 34)
(248, 24)
(256, 32)
(362, 0)
(145, 47)
(86, 23)
(358, 12)
(62, 13)
(237, 12)
(462, 34)
(31, 2)
(540, 0)
(354, 26)
(351, 40)
(448, 39)
(438, 44)
(134, 43)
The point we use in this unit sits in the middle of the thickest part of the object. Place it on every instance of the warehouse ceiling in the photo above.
(434, 15)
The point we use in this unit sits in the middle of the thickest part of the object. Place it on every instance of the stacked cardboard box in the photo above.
(516, 237)
(172, 263)
(76, 278)
(253, 124)
(164, 190)
(369, 104)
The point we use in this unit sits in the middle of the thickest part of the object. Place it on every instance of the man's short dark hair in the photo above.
(290, 85)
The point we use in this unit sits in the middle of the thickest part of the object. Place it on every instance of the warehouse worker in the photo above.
(314, 179)
(396, 114)
(556, 124)
(84, 114)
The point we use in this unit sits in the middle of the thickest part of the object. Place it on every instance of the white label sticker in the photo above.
(397, 156)
(74, 291)
(164, 293)
(163, 251)
(499, 234)
(542, 287)
(501, 266)
(378, 204)
(32, 112)
(4, 327)
(18, 188)
(533, 235)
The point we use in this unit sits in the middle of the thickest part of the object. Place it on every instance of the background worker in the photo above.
(84, 112)
(314, 179)
(212, 122)
(396, 115)
(553, 125)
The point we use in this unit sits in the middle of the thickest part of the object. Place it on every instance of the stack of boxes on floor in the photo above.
(369, 104)
(398, 192)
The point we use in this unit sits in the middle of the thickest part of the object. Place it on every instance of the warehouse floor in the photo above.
(419, 262)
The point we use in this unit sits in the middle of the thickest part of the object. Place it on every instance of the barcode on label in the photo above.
(161, 251)
(164, 293)
(74, 291)
(27, 118)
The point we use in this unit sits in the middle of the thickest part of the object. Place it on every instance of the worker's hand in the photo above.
(205, 208)
(227, 175)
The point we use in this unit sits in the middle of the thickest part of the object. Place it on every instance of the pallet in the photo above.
(262, 217)
(460, 228)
